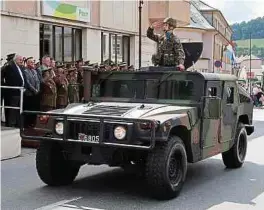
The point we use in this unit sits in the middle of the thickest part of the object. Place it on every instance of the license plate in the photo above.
(88, 138)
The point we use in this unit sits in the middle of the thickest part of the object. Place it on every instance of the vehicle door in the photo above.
(211, 127)
(230, 108)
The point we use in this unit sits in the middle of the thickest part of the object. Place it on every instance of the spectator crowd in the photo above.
(47, 85)
(258, 96)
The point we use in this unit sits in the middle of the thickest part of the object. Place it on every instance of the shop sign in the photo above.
(66, 11)
(250, 75)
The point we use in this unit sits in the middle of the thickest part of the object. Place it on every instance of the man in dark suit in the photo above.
(13, 75)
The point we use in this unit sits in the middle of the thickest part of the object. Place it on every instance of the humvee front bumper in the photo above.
(93, 130)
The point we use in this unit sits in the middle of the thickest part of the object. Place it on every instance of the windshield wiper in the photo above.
(103, 79)
(164, 79)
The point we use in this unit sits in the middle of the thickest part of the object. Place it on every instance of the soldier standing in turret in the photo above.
(170, 51)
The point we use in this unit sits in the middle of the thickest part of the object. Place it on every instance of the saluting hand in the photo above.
(156, 25)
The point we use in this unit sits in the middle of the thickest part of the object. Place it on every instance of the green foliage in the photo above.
(242, 30)
(257, 47)
(241, 35)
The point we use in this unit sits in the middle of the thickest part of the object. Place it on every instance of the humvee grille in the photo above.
(108, 110)
(88, 128)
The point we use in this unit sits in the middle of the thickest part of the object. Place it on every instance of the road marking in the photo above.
(54, 205)
(258, 205)
(87, 208)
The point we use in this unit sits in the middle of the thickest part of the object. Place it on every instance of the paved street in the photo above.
(209, 185)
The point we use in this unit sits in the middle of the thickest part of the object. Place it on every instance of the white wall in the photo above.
(208, 42)
(191, 36)
(147, 50)
(92, 45)
(119, 15)
(19, 36)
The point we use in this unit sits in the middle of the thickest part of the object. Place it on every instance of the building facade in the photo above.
(208, 25)
(250, 68)
(92, 30)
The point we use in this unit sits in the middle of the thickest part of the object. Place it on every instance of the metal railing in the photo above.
(21, 98)
(48, 133)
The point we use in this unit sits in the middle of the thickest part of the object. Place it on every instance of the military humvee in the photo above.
(157, 118)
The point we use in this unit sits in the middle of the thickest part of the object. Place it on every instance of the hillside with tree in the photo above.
(241, 36)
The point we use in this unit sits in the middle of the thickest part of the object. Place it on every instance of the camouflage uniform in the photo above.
(73, 89)
(49, 92)
(170, 51)
(80, 82)
(62, 91)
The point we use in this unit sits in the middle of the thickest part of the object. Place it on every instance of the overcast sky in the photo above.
(238, 10)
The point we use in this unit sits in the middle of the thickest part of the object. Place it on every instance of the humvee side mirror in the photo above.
(212, 108)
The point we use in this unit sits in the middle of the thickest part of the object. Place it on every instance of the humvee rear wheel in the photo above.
(235, 157)
(166, 168)
(52, 167)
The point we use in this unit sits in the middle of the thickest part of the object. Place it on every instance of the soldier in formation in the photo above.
(73, 85)
(49, 91)
(62, 87)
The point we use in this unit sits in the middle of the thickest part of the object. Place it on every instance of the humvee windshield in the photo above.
(145, 89)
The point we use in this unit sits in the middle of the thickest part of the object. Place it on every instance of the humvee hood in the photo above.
(130, 110)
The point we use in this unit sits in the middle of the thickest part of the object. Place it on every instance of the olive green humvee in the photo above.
(156, 119)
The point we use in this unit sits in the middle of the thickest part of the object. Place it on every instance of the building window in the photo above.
(115, 47)
(58, 43)
(62, 43)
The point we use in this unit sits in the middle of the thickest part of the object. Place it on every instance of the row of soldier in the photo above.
(48, 86)
(64, 84)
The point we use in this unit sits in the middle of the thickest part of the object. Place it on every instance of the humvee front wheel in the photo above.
(52, 167)
(235, 157)
(166, 168)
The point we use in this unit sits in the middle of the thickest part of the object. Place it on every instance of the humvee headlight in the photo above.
(120, 132)
(59, 128)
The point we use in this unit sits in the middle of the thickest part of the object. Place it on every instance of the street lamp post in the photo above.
(139, 24)
(250, 63)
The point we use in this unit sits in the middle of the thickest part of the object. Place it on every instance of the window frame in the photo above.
(111, 54)
(73, 41)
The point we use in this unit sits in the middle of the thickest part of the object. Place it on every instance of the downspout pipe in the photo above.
(214, 50)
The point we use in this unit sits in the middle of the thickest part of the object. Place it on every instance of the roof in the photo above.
(214, 76)
(168, 70)
(203, 6)
(198, 20)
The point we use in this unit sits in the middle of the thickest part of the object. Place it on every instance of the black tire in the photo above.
(53, 169)
(159, 167)
(235, 156)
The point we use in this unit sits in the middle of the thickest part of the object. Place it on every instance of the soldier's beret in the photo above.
(59, 65)
(46, 69)
(172, 22)
(43, 68)
(71, 69)
(28, 59)
(10, 56)
(123, 64)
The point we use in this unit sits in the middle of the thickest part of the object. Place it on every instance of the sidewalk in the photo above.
(10, 143)
(258, 114)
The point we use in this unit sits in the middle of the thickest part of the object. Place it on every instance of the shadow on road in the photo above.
(208, 183)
